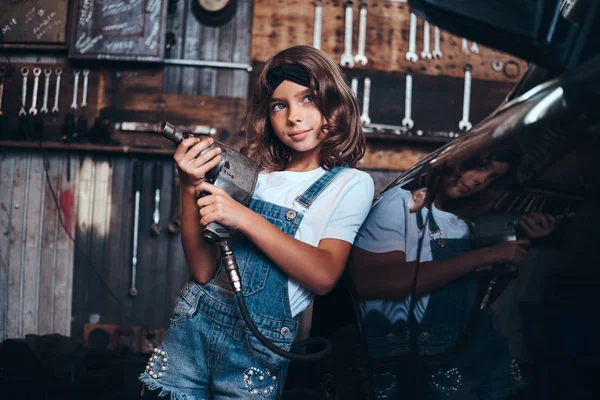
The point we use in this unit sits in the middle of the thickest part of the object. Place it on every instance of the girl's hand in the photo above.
(192, 166)
(538, 225)
(218, 206)
(512, 252)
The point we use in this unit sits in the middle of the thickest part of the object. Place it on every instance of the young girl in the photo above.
(291, 242)
(382, 265)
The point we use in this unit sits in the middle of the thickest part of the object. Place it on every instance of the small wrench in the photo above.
(407, 122)
(24, 73)
(318, 24)
(411, 54)
(36, 81)
(347, 60)
(360, 57)
(464, 124)
(86, 72)
(75, 87)
(437, 52)
(364, 118)
(47, 73)
(58, 72)
(465, 46)
(474, 48)
(155, 227)
(426, 53)
(137, 187)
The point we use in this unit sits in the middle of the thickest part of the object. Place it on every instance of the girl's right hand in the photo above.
(192, 166)
(512, 252)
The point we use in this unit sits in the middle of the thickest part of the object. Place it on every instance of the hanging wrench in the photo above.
(360, 57)
(474, 48)
(347, 60)
(426, 53)
(137, 187)
(36, 81)
(437, 52)
(464, 124)
(24, 73)
(2, 72)
(75, 87)
(465, 46)
(155, 227)
(407, 121)
(318, 23)
(86, 72)
(364, 118)
(47, 73)
(354, 86)
(411, 54)
(58, 72)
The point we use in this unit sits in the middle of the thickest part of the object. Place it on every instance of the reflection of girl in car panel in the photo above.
(382, 266)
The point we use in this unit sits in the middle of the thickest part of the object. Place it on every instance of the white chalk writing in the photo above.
(8, 26)
(85, 43)
(151, 40)
(87, 10)
(119, 7)
(120, 46)
(30, 15)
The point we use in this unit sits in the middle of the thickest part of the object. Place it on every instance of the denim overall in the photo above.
(479, 368)
(208, 352)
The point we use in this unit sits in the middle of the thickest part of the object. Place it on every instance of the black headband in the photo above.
(288, 72)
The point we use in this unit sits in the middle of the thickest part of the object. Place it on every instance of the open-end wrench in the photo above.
(24, 73)
(137, 187)
(2, 72)
(155, 227)
(465, 46)
(75, 88)
(474, 48)
(426, 53)
(36, 82)
(58, 72)
(364, 117)
(437, 52)
(360, 57)
(318, 23)
(407, 122)
(465, 124)
(347, 60)
(411, 54)
(175, 218)
(86, 72)
(47, 73)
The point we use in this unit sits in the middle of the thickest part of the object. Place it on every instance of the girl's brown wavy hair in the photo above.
(344, 143)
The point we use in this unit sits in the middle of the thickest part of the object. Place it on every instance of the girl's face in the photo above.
(474, 180)
(295, 118)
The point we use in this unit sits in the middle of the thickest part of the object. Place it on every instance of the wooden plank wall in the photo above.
(36, 254)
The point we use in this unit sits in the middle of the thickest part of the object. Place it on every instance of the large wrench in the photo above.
(86, 72)
(426, 53)
(465, 124)
(318, 24)
(437, 52)
(75, 87)
(411, 54)
(24, 73)
(137, 187)
(364, 118)
(465, 46)
(360, 57)
(47, 73)
(347, 60)
(36, 81)
(407, 122)
(58, 72)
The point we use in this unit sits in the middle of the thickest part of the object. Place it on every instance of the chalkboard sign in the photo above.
(34, 23)
(121, 30)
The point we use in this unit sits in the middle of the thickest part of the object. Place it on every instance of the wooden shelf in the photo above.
(87, 147)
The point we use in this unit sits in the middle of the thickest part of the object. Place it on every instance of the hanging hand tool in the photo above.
(175, 218)
(24, 73)
(137, 188)
(155, 227)
(47, 73)
(36, 82)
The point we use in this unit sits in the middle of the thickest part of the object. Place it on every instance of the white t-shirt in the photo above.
(337, 212)
(391, 227)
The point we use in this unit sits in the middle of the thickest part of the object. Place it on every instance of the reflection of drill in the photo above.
(493, 229)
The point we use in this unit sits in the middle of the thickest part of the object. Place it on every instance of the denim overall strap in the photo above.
(306, 198)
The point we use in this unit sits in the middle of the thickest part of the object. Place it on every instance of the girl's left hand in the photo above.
(538, 225)
(218, 206)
